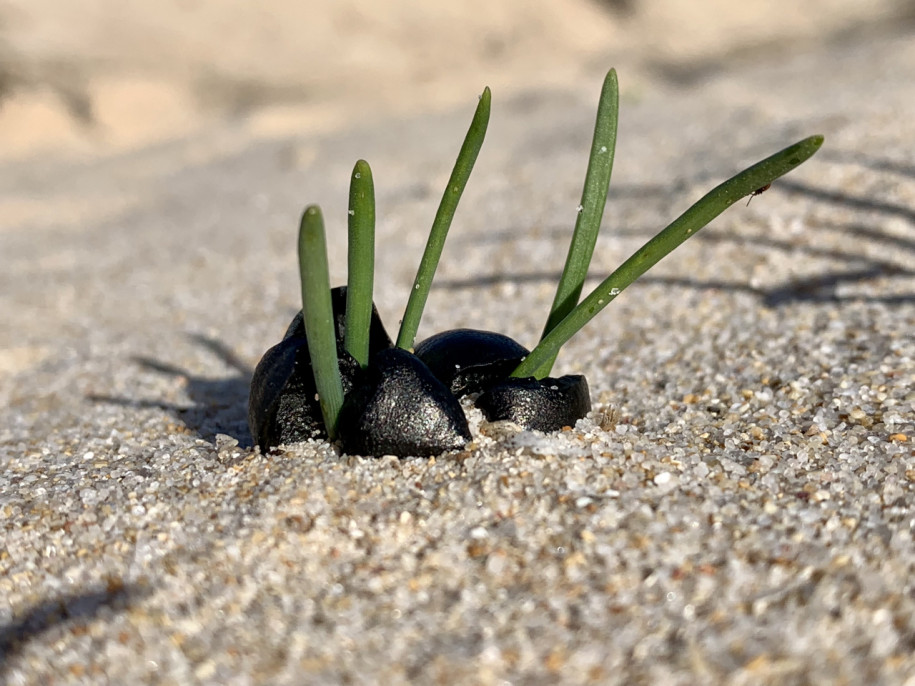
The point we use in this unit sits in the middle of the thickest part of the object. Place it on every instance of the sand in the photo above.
(737, 509)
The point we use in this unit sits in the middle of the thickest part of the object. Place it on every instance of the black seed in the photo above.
(280, 387)
(469, 361)
(542, 405)
(399, 408)
(283, 406)
(378, 337)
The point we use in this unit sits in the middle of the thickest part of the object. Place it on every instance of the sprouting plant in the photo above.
(687, 224)
(381, 398)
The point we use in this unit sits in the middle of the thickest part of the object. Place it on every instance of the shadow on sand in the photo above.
(218, 405)
(64, 610)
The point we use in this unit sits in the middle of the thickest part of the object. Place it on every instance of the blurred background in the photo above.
(97, 76)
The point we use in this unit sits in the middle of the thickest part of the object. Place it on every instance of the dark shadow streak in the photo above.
(814, 288)
(219, 406)
(858, 231)
(68, 609)
(818, 288)
(872, 163)
(618, 192)
(852, 201)
(496, 279)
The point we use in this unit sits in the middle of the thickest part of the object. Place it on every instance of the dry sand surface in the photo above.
(104, 75)
(738, 508)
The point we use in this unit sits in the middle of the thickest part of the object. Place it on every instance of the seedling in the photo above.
(337, 374)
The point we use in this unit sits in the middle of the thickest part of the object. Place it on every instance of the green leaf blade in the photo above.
(442, 222)
(591, 209)
(360, 262)
(318, 316)
(688, 224)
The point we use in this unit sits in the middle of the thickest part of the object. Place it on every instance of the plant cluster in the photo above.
(337, 374)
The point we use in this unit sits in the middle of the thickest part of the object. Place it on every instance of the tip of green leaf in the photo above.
(813, 142)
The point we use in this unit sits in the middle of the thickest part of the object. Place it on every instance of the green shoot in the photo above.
(590, 211)
(446, 209)
(317, 313)
(696, 217)
(361, 263)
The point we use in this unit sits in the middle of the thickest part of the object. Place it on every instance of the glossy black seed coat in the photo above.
(543, 405)
(378, 336)
(283, 406)
(469, 361)
(405, 404)
(398, 407)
